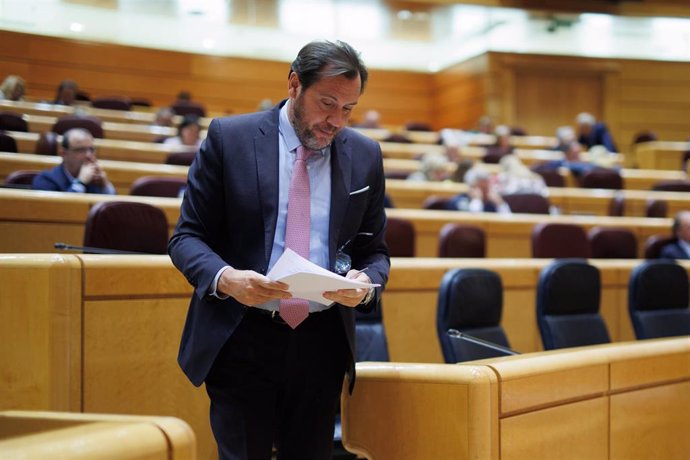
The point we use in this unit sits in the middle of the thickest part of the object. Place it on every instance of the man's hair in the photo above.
(677, 221)
(67, 134)
(320, 59)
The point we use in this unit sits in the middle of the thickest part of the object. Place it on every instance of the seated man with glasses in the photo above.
(79, 171)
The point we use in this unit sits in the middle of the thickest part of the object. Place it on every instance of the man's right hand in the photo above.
(250, 288)
(86, 173)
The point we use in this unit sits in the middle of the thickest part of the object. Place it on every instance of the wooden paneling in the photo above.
(460, 94)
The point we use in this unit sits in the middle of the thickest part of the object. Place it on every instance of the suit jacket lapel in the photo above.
(266, 151)
(341, 173)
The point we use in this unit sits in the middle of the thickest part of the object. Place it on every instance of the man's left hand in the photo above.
(350, 297)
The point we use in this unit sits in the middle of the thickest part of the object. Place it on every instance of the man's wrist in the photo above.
(370, 295)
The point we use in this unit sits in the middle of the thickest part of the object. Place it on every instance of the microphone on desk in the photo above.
(455, 334)
(92, 250)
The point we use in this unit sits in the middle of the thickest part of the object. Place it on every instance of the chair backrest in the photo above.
(644, 136)
(436, 202)
(612, 243)
(568, 296)
(370, 336)
(141, 102)
(658, 299)
(470, 300)
(602, 178)
(10, 121)
(127, 226)
(22, 177)
(672, 186)
(656, 208)
(559, 240)
(552, 177)
(653, 245)
(112, 103)
(89, 123)
(461, 240)
(400, 237)
(617, 206)
(180, 158)
(183, 108)
(47, 144)
(158, 186)
(528, 203)
(7, 143)
(397, 137)
(417, 126)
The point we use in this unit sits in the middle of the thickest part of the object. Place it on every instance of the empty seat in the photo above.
(67, 122)
(656, 208)
(183, 108)
(612, 243)
(470, 300)
(417, 126)
(461, 240)
(397, 137)
(112, 103)
(672, 186)
(602, 178)
(158, 186)
(127, 226)
(552, 177)
(644, 136)
(400, 237)
(22, 177)
(141, 102)
(658, 300)
(7, 143)
(617, 206)
(436, 202)
(180, 158)
(47, 144)
(556, 240)
(527, 203)
(568, 296)
(13, 122)
(653, 245)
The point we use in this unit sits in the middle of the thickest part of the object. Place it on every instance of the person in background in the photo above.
(13, 88)
(371, 120)
(164, 117)
(66, 92)
(79, 171)
(501, 147)
(485, 125)
(679, 249)
(572, 160)
(188, 133)
(481, 196)
(432, 168)
(565, 136)
(591, 133)
(292, 178)
(515, 177)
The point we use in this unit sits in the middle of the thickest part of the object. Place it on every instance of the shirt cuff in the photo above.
(77, 186)
(214, 285)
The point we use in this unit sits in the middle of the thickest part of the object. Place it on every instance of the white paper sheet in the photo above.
(307, 280)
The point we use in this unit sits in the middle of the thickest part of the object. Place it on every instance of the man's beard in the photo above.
(304, 133)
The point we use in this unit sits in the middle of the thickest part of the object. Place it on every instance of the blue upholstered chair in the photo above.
(658, 300)
(470, 300)
(568, 297)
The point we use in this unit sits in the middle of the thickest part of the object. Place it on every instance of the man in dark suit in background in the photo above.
(590, 132)
(679, 249)
(272, 383)
(79, 171)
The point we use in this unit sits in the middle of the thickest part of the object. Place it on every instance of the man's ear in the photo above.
(293, 85)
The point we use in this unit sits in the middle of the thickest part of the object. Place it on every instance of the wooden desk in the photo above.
(32, 221)
(112, 149)
(29, 434)
(659, 155)
(616, 401)
(121, 173)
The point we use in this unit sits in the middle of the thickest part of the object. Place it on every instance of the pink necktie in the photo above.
(297, 231)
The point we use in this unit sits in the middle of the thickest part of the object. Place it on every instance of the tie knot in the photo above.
(304, 153)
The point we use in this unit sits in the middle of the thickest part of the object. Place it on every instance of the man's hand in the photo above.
(87, 172)
(350, 297)
(99, 177)
(250, 288)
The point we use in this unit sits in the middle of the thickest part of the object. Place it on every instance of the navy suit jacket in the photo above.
(229, 213)
(599, 135)
(56, 180)
(673, 251)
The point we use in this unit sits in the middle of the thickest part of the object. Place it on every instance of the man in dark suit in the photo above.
(271, 383)
(79, 171)
(591, 133)
(679, 249)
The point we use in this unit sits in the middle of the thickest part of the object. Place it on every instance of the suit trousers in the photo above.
(274, 386)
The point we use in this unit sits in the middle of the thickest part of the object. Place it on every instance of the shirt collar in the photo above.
(288, 131)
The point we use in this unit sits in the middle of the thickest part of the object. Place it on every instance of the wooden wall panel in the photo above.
(460, 94)
(224, 85)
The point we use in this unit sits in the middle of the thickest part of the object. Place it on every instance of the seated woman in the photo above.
(515, 177)
(482, 195)
(188, 133)
(433, 168)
